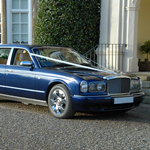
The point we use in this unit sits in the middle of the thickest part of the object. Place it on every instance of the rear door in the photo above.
(4, 53)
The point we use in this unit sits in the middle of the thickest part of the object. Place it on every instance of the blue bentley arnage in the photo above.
(60, 78)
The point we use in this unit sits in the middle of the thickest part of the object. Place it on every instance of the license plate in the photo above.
(123, 100)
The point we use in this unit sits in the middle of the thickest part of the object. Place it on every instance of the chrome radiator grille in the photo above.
(118, 85)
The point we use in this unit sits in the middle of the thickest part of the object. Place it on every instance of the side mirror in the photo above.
(25, 63)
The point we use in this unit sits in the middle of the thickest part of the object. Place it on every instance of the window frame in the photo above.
(10, 11)
(15, 56)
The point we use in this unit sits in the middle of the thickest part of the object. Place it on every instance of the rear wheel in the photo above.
(60, 103)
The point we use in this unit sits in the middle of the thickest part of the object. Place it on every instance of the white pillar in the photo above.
(110, 24)
(130, 58)
(104, 23)
(111, 32)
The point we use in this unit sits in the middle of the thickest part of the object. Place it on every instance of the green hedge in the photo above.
(71, 23)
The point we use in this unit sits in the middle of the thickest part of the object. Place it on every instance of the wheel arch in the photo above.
(52, 84)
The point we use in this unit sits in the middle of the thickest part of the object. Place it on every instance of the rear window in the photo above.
(4, 53)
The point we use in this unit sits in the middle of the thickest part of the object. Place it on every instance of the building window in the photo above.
(20, 23)
(20, 28)
(19, 4)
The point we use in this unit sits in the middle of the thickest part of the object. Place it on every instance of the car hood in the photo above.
(92, 74)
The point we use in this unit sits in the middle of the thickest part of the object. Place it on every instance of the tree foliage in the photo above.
(71, 23)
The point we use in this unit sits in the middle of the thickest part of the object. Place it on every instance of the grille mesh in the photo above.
(118, 85)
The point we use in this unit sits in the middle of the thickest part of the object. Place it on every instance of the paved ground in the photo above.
(33, 128)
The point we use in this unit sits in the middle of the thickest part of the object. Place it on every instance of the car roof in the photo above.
(30, 46)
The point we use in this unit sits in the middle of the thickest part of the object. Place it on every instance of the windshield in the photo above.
(60, 53)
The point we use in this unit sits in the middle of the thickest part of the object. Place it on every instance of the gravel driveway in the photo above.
(29, 127)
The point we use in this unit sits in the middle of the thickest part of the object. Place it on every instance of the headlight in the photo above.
(98, 86)
(83, 86)
(135, 85)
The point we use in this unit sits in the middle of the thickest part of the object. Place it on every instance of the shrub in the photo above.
(145, 49)
(71, 23)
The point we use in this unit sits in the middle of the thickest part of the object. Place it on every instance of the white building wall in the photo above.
(119, 25)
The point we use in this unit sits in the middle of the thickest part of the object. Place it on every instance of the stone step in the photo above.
(146, 91)
(146, 84)
(145, 76)
(146, 100)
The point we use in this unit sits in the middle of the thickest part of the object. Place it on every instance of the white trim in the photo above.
(133, 8)
(30, 23)
(9, 22)
(19, 10)
(11, 87)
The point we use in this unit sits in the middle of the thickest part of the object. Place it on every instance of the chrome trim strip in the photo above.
(122, 95)
(24, 100)
(22, 89)
(90, 95)
(115, 77)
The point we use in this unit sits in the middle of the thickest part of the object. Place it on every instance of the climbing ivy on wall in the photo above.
(71, 23)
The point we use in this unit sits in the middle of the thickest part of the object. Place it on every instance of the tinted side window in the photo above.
(4, 53)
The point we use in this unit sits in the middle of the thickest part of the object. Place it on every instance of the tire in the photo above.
(60, 103)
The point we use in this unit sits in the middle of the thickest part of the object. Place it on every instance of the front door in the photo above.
(20, 80)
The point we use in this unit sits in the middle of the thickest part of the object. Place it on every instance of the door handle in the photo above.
(9, 70)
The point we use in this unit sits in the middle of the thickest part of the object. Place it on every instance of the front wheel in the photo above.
(60, 103)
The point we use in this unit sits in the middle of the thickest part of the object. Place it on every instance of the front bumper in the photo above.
(105, 102)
